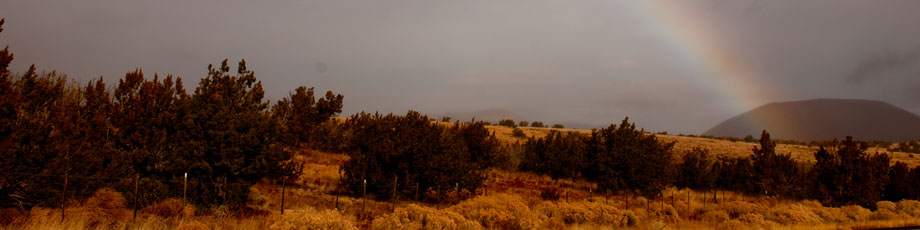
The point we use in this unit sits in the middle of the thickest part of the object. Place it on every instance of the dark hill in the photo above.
(824, 119)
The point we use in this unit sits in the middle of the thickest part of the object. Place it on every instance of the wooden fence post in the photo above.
(137, 177)
(283, 183)
(395, 183)
(64, 198)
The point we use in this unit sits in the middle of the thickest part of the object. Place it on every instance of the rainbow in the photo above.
(691, 34)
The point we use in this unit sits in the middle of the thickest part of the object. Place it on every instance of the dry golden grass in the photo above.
(719, 148)
(414, 217)
(508, 200)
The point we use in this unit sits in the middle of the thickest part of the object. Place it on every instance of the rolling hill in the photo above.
(824, 119)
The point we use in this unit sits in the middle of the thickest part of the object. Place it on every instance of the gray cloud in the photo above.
(881, 66)
(586, 61)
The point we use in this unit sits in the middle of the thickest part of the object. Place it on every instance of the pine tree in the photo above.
(696, 171)
(301, 113)
(775, 174)
(847, 164)
(626, 159)
(231, 140)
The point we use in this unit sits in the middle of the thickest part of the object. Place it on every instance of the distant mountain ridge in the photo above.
(824, 119)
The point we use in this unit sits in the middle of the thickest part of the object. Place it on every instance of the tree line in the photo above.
(148, 132)
(623, 159)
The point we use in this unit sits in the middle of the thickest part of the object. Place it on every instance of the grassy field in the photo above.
(508, 200)
(724, 148)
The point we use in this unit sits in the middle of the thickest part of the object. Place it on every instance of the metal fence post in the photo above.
(364, 195)
(184, 189)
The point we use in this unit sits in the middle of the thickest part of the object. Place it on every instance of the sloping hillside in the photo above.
(824, 119)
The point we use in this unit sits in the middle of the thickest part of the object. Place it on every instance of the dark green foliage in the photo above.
(300, 115)
(907, 147)
(736, 174)
(748, 138)
(696, 171)
(507, 122)
(846, 174)
(417, 152)
(223, 136)
(559, 155)
(517, 132)
(510, 156)
(901, 184)
(558, 126)
(5, 56)
(230, 138)
(538, 124)
(776, 174)
(39, 128)
(523, 123)
(626, 159)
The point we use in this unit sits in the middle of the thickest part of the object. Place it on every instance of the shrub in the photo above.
(736, 209)
(414, 217)
(714, 216)
(507, 122)
(855, 212)
(792, 214)
(733, 224)
(310, 219)
(909, 207)
(886, 205)
(884, 215)
(105, 208)
(752, 219)
(538, 124)
(558, 126)
(192, 225)
(551, 193)
(523, 123)
(501, 211)
(516, 132)
(584, 212)
(169, 208)
(664, 212)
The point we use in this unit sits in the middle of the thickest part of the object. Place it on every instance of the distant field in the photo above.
(718, 147)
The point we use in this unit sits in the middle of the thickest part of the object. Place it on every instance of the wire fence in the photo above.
(140, 192)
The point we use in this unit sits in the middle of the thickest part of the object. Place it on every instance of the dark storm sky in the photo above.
(588, 62)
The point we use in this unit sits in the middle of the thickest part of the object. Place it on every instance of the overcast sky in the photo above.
(587, 62)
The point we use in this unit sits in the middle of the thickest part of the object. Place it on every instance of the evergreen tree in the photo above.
(775, 174)
(415, 153)
(846, 164)
(300, 113)
(626, 159)
(231, 140)
(901, 185)
(696, 171)
(148, 117)
(559, 155)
